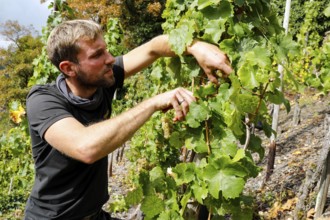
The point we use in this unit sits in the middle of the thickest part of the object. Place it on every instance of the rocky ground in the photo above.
(297, 155)
(298, 152)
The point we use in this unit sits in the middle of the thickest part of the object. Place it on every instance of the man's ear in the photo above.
(68, 68)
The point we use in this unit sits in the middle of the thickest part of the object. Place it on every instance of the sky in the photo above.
(26, 12)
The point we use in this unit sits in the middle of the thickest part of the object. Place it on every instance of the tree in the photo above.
(141, 20)
(16, 62)
(99, 11)
(13, 31)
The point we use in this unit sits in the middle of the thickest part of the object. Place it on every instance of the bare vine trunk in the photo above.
(297, 111)
(271, 159)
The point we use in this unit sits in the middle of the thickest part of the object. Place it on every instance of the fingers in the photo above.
(222, 69)
(212, 78)
(224, 66)
(221, 66)
(211, 59)
(179, 100)
(183, 98)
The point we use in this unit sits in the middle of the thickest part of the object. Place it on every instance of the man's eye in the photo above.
(97, 55)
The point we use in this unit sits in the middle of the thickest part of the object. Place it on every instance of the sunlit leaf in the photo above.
(152, 206)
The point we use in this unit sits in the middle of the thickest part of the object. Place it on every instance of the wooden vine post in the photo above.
(325, 176)
(272, 146)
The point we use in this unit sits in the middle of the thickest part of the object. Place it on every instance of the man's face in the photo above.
(95, 64)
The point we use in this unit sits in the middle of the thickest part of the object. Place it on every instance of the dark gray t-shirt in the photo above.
(65, 188)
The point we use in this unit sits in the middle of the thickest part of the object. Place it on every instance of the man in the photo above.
(69, 120)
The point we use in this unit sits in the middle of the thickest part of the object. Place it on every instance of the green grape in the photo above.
(166, 126)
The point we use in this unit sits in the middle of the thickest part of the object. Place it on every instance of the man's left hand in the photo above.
(211, 59)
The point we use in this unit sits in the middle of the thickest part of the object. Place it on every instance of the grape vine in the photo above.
(207, 159)
(312, 65)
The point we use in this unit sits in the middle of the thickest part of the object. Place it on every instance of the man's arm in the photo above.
(89, 144)
(209, 56)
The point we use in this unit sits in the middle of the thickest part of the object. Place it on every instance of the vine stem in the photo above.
(248, 132)
(11, 185)
(210, 215)
(207, 134)
(262, 95)
(248, 120)
(184, 150)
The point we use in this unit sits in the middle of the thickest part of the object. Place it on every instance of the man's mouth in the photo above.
(108, 71)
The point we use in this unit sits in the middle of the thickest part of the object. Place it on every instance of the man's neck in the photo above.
(79, 90)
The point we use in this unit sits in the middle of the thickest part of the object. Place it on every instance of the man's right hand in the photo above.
(179, 99)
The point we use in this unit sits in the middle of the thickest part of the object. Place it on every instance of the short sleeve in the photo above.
(119, 72)
(44, 108)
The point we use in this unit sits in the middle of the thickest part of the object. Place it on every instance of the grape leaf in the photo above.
(258, 56)
(326, 84)
(200, 191)
(172, 196)
(198, 112)
(152, 206)
(226, 9)
(237, 168)
(169, 215)
(233, 118)
(243, 214)
(230, 47)
(174, 67)
(212, 10)
(250, 166)
(239, 2)
(247, 76)
(156, 173)
(226, 142)
(291, 47)
(230, 185)
(185, 173)
(134, 197)
(276, 97)
(197, 145)
(214, 30)
(205, 3)
(176, 139)
(327, 11)
(182, 36)
(239, 29)
(206, 90)
(239, 155)
(284, 45)
(190, 67)
(255, 145)
(184, 201)
(195, 141)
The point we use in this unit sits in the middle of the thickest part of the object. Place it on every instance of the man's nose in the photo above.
(110, 59)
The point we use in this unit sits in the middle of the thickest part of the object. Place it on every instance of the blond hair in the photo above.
(62, 41)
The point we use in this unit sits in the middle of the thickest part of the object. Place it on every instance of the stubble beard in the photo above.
(104, 81)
